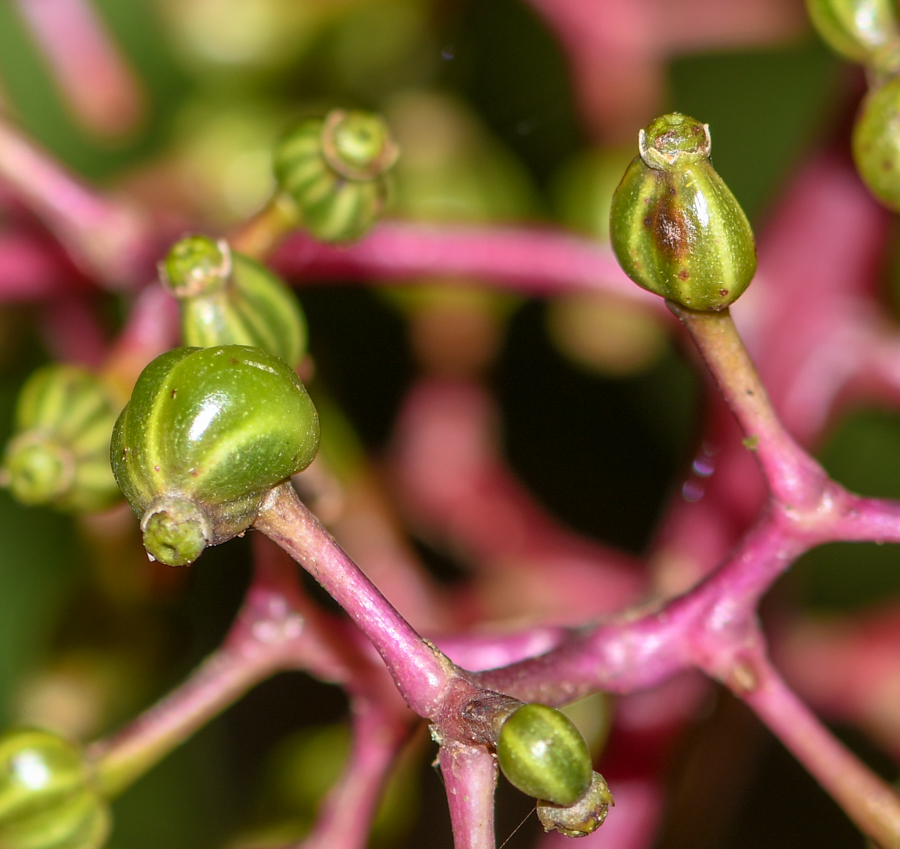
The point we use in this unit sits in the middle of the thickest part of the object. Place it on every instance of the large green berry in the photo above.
(542, 753)
(675, 227)
(335, 170)
(856, 29)
(207, 433)
(227, 298)
(49, 798)
(876, 142)
(59, 453)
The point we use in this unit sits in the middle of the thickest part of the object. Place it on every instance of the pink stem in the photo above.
(421, 672)
(107, 238)
(377, 737)
(92, 74)
(470, 778)
(870, 802)
(272, 631)
(34, 269)
(526, 260)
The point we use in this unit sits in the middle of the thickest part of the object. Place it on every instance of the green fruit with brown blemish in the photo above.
(542, 753)
(59, 453)
(675, 227)
(335, 170)
(49, 796)
(226, 298)
(207, 433)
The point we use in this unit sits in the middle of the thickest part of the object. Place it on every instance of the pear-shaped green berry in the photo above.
(49, 797)
(582, 818)
(542, 753)
(675, 227)
(335, 170)
(227, 298)
(207, 433)
(876, 142)
(59, 453)
(855, 29)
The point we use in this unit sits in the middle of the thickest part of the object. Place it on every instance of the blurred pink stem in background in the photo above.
(618, 51)
(95, 81)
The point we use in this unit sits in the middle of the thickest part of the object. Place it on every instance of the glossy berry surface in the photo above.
(206, 434)
(675, 227)
(48, 797)
(542, 753)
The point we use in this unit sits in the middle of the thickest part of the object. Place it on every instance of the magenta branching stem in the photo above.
(109, 238)
(421, 672)
(871, 803)
(275, 629)
(377, 735)
(793, 477)
(470, 777)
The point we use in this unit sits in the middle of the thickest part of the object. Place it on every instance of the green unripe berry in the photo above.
(855, 29)
(542, 753)
(49, 798)
(196, 265)
(335, 170)
(207, 433)
(675, 227)
(226, 298)
(582, 818)
(876, 142)
(59, 453)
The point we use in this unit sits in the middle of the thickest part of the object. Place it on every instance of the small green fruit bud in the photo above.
(582, 818)
(855, 29)
(335, 169)
(675, 227)
(49, 797)
(542, 753)
(59, 454)
(207, 433)
(196, 265)
(876, 142)
(227, 298)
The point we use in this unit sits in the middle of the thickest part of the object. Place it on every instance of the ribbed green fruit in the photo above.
(542, 753)
(855, 29)
(876, 142)
(675, 227)
(59, 453)
(227, 298)
(335, 170)
(48, 794)
(207, 433)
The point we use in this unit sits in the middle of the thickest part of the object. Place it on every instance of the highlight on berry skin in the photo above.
(855, 29)
(49, 794)
(676, 228)
(542, 753)
(195, 452)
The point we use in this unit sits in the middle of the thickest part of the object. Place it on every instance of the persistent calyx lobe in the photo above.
(207, 433)
(675, 227)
